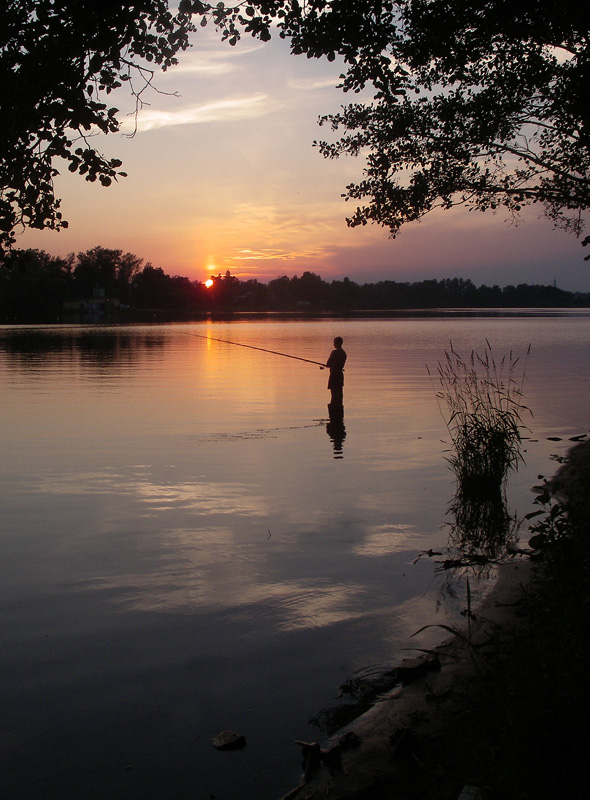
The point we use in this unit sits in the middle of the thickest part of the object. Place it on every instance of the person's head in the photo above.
(338, 341)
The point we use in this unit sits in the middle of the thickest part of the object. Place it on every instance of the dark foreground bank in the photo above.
(506, 715)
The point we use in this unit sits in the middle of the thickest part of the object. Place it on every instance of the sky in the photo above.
(223, 175)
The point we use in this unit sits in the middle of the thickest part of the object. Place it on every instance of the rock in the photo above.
(313, 755)
(332, 758)
(349, 741)
(229, 740)
(401, 741)
(413, 668)
(470, 793)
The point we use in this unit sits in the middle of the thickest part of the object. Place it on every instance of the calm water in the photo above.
(186, 547)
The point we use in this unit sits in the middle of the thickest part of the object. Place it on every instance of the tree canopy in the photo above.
(59, 62)
(36, 287)
(478, 102)
(475, 102)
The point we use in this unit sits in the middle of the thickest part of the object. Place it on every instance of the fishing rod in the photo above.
(251, 347)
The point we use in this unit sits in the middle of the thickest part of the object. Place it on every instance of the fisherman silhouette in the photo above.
(335, 364)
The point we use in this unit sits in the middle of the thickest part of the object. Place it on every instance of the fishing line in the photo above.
(251, 347)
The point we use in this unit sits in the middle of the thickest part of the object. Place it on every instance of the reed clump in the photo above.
(484, 409)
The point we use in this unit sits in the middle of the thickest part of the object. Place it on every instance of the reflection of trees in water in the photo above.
(95, 348)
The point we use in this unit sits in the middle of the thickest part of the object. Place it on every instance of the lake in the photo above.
(188, 546)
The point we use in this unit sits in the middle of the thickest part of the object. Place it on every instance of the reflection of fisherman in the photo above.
(336, 363)
(337, 433)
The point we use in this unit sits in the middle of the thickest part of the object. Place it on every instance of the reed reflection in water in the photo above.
(483, 527)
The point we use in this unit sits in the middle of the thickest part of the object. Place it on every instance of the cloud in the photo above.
(311, 83)
(228, 110)
(202, 64)
(212, 62)
(292, 219)
(273, 254)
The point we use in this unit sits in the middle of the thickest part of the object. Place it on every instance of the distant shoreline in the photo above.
(170, 316)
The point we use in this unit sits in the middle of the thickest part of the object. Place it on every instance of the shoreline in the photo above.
(164, 316)
(506, 714)
(373, 749)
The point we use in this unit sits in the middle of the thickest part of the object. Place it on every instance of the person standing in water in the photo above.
(335, 364)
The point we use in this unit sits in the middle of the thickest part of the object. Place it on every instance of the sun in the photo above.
(208, 283)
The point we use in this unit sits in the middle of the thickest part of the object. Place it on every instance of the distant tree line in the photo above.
(38, 287)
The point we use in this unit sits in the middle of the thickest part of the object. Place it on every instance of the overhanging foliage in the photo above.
(476, 102)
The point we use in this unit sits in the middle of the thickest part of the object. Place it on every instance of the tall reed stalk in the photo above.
(483, 399)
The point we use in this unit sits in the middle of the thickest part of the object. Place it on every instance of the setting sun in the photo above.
(208, 283)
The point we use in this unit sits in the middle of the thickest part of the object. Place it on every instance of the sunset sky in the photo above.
(224, 176)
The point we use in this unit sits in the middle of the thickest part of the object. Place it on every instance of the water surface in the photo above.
(187, 546)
